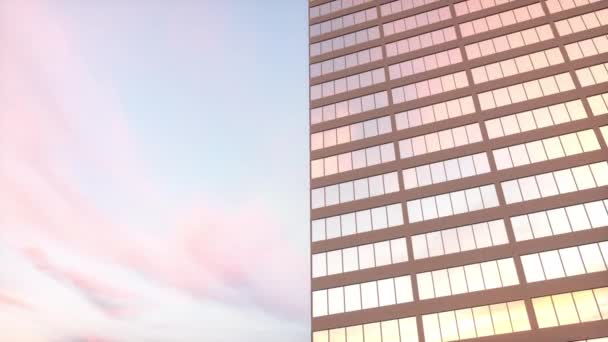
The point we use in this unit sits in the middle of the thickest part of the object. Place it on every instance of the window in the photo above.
(419, 20)
(446, 139)
(502, 318)
(425, 63)
(353, 106)
(582, 22)
(363, 188)
(452, 203)
(421, 41)
(402, 5)
(560, 220)
(470, 6)
(525, 91)
(562, 5)
(571, 308)
(343, 22)
(344, 41)
(350, 83)
(509, 41)
(373, 294)
(514, 66)
(334, 6)
(598, 104)
(469, 278)
(563, 181)
(430, 87)
(444, 171)
(587, 47)
(592, 75)
(502, 19)
(345, 62)
(352, 160)
(398, 330)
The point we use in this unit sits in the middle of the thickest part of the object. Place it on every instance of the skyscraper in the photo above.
(459, 174)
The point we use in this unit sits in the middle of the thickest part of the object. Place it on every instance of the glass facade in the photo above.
(458, 170)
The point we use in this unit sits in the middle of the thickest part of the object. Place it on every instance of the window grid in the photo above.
(425, 63)
(334, 6)
(374, 155)
(444, 171)
(430, 87)
(555, 183)
(535, 119)
(401, 330)
(421, 41)
(588, 47)
(472, 6)
(346, 62)
(501, 19)
(582, 22)
(355, 190)
(361, 296)
(452, 203)
(343, 22)
(466, 279)
(346, 84)
(571, 307)
(556, 6)
(401, 6)
(416, 21)
(434, 113)
(459, 239)
(349, 107)
(514, 66)
(509, 41)
(565, 262)
(599, 104)
(442, 140)
(480, 321)
(562, 220)
(357, 222)
(593, 75)
(359, 257)
(344, 41)
(521, 92)
(354, 132)
(546, 149)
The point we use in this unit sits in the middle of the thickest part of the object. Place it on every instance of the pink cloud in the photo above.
(47, 131)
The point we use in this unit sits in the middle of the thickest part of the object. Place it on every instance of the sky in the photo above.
(153, 171)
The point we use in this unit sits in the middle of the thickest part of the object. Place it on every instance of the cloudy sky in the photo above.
(153, 171)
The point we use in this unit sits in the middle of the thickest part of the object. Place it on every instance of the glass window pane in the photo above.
(483, 321)
(545, 314)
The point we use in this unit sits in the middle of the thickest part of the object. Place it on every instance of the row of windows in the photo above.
(452, 203)
(362, 296)
(459, 239)
(560, 220)
(582, 22)
(355, 190)
(501, 19)
(442, 140)
(421, 41)
(425, 63)
(587, 47)
(345, 62)
(515, 66)
(480, 321)
(344, 41)
(509, 41)
(565, 262)
(348, 161)
(350, 83)
(469, 278)
(436, 112)
(471, 6)
(430, 87)
(334, 6)
(447, 170)
(593, 75)
(418, 20)
(353, 106)
(354, 132)
(521, 92)
(555, 183)
(357, 222)
(563, 5)
(571, 307)
(402, 330)
(546, 149)
(402, 5)
(535, 119)
(598, 104)
(343, 22)
(359, 258)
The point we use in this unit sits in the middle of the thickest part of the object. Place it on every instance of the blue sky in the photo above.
(155, 165)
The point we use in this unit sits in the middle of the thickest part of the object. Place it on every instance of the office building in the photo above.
(459, 170)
